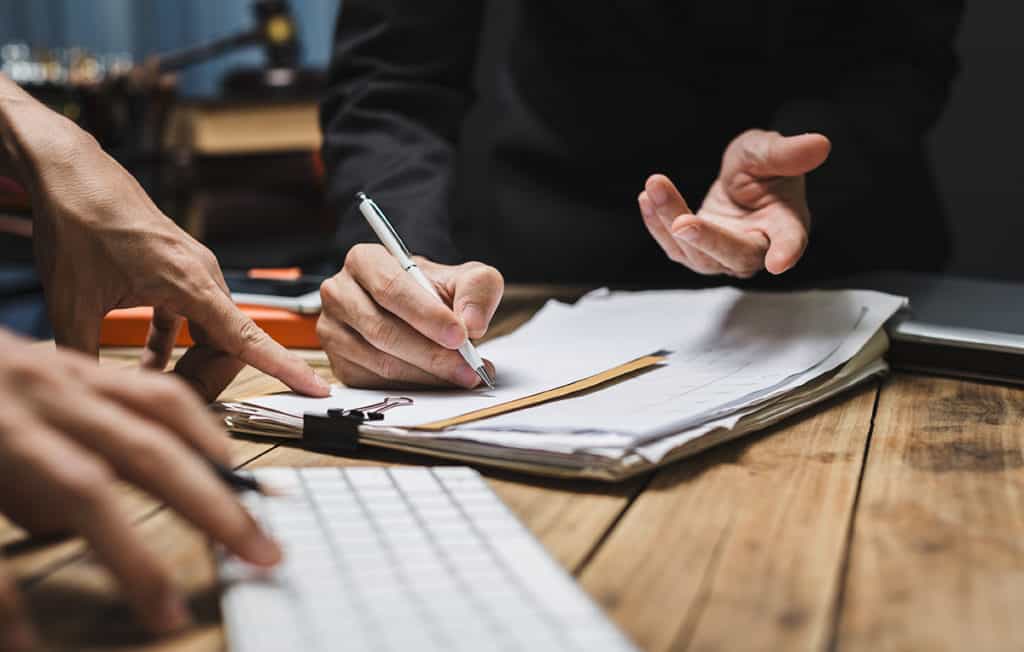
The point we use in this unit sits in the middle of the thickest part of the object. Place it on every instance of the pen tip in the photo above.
(484, 376)
(361, 196)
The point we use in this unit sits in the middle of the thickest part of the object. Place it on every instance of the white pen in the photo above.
(389, 238)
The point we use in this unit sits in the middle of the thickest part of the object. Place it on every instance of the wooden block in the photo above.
(937, 561)
(742, 547)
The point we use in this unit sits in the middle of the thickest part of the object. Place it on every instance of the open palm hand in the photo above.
(755, 215)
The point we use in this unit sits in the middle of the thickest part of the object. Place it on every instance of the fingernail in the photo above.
(466, 376)
(688, 233)
(174, 613)
(658, 194)
(262, 550)
(453, 336)
(472, 317)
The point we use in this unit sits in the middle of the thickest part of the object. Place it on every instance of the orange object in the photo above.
(129, 327)
(276, 273)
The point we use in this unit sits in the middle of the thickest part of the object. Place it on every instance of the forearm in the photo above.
(33, 138)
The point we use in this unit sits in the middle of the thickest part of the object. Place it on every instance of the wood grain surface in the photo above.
(937, 558)
(740, 548)
(888, 519)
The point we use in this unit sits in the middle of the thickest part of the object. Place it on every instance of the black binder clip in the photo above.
(338, 430)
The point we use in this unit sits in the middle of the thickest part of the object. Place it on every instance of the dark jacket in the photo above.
(519, 132)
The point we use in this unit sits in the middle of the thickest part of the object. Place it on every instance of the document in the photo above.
(556, 348)
(732, 361)
(748, 347)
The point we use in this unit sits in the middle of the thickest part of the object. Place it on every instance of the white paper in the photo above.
(556, 348)
(760, 346)
(733, 353)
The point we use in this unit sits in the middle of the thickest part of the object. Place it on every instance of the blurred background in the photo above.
(140, 28)
(212, 104)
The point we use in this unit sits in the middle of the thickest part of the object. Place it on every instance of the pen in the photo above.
(237, 481)
(389, 238)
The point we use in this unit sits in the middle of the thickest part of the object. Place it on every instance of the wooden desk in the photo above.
(891, 518)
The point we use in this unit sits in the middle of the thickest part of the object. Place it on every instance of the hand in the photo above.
(381, 329)
(754, 217)
(101, 243)
(69, 429)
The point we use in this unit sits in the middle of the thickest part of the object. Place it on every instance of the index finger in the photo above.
(234, 332)
(393, 289)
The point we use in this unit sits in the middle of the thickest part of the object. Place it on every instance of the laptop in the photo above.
(955, 326)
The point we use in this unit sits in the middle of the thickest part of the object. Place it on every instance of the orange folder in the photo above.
(129, 327)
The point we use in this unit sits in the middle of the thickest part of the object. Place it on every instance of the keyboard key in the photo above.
(322, 473)
(455, 472)
(366, 477)
(414, 481)
(398, 559)
(277, 478)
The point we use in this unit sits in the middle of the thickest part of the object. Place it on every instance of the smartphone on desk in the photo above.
(300, 294)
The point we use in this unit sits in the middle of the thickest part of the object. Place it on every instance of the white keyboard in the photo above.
(402, 559)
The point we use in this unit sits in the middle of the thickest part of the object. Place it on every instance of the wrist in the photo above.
(33, 138)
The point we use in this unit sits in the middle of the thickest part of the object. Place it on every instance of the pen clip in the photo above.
(384, 220)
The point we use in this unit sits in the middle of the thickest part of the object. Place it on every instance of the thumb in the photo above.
(233, 332)
(769, 154)
(476, 290)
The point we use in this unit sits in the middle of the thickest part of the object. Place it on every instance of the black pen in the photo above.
(237, 481)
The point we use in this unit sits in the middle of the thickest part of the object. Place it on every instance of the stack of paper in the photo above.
(732, 362)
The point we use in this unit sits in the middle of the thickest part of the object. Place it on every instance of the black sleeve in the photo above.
(882, 92)
(400, 84)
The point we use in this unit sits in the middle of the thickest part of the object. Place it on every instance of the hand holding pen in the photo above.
(383, 325)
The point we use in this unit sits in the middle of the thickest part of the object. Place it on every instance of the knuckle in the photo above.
(340, 367)
(250, 334)
(329, 294)
(441, 364)
(24, 372)
(358, 255)
(389, 367)
(206, 257)
(147, 455)
(387, 288)
(487, 276)
(324, 328)
(166, 389)
(384, 335)
(86, 484)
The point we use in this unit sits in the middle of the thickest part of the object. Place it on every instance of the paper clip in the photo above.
(375, 411)
(338, 430)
